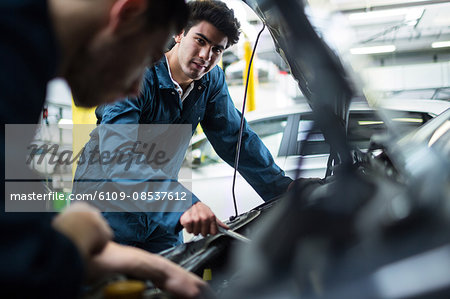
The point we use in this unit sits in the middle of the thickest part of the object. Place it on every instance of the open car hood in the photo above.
(314, 65)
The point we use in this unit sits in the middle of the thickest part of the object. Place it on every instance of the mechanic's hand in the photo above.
(85, 227)
(199, 219)
(116, 258)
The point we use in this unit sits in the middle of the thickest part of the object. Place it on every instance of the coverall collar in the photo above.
(165, 82)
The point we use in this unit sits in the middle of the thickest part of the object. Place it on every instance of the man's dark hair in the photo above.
(165, 12)
(216, 13)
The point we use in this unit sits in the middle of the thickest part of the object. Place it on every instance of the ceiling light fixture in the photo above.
(443, 44)
(377, 14)
(373, 50)
(408, 15)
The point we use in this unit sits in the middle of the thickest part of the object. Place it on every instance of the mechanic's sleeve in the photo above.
(119, 131)
(37, 261)
(221, 126)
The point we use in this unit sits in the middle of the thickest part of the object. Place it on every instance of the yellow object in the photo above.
(84, 121)
(251, 105)
(126, 289)
(207, 274)
(199, 129)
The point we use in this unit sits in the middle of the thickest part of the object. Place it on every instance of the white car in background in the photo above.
(282, 131)
(266, 71)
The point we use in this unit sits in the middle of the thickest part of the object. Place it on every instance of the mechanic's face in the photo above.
(112, 66)
(200, 49)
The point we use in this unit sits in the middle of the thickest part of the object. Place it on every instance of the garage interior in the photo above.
(399, 53)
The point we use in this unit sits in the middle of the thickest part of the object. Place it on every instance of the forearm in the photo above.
(139, 263)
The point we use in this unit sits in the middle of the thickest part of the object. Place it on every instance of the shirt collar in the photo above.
(164, 78)
(183, 94)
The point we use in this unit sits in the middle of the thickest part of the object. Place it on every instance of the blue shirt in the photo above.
(209, 104)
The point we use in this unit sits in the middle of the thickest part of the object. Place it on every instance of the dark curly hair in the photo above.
(162, 13)
(216, 13)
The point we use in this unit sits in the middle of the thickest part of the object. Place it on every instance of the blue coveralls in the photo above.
(209, 104)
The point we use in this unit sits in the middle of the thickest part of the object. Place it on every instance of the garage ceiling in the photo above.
(411, 26)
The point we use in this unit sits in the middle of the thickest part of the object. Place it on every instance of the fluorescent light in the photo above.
(377, 14)
(370, 122)
(444, 44)
(373, 50)
(65, 121)
(407, 13)
(408, 120)
(399, 119)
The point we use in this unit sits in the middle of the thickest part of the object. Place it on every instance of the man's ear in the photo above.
(125, 10)
(179, 36)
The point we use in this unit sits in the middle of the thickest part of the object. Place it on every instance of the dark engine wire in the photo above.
(238, 147)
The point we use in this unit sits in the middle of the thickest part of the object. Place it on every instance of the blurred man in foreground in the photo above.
(101, 48)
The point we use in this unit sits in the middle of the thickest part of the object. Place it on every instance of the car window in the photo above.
(362, 126)
(204, 154)
(269, 130)
(310, 138)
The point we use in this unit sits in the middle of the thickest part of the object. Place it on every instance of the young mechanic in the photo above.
(101, 47)
(187, 87)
